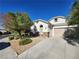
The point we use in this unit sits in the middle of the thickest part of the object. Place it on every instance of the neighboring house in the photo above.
(41, 26)
(2, 28)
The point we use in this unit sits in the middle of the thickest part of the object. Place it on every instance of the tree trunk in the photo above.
(19, 32)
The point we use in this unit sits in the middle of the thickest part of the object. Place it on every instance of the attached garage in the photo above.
(59, 32)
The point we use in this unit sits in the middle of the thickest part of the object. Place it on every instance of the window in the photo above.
(41, 25)
(56, 19)
(41, 28)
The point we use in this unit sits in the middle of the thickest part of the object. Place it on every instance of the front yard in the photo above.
(20, 48)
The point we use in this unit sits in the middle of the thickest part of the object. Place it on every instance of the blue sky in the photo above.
(44, 9)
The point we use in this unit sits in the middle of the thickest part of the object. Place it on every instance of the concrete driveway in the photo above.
(52, 48)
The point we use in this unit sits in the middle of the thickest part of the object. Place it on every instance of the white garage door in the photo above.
(59, 32)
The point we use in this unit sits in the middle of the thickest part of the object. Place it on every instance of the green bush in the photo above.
(25, 41)
(17, 37)
(11, 37)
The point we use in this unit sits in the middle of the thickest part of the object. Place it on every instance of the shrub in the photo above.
(71, 35)
(25, 41)
(17, 37)
(11, 37)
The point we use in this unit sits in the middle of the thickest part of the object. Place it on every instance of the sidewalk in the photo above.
(8, 52)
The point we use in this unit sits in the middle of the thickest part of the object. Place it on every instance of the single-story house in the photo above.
(41, 26)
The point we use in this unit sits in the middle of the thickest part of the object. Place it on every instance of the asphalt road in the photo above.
(3, 36)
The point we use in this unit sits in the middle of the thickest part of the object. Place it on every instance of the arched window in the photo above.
(41, 25)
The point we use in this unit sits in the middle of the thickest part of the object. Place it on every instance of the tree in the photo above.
(74, 16)
(71, 35)
(9, 19)
(27, 20)
(17, 22)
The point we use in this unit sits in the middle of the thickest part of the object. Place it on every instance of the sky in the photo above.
(36, 9)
